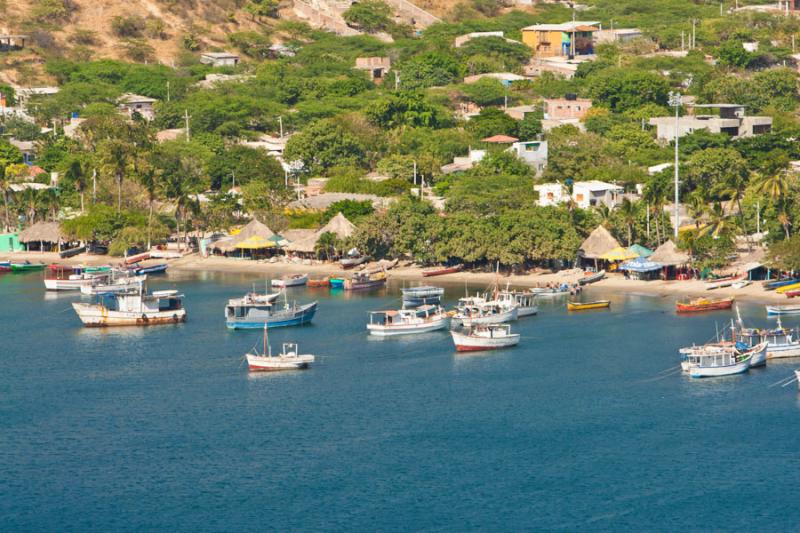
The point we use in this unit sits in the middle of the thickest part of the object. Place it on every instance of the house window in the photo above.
(579, 197)
(530, 147)
(550, 196)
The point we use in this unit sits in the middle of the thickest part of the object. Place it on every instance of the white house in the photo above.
(593, 193)
(460, 164)
(534, 153)
(551, 194)
(130, 104)
(219, 59)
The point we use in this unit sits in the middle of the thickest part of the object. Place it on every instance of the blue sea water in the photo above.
(581, 427)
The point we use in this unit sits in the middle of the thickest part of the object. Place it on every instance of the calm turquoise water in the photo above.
(162, 428)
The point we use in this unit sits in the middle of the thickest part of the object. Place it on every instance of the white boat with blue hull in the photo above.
(249, 313)
(415, 296)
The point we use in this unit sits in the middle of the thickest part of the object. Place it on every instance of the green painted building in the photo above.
(9, 242)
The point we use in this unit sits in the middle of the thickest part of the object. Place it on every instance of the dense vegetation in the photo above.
(345, 127)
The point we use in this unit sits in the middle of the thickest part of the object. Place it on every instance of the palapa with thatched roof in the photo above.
(668, 255)
(599, 242)
(338, 225)
(254, 231)
(43, 233)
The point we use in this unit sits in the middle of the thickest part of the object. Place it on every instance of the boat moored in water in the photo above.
(485, 337)
(316, 283)
(591, 277)
(293, 280)
(426, 294)
(288, 359)
(586, 306)
(783, 310)
(250, 312)
(524, 301)
(407, 321)
(27, 266)
(717, 360)
(133, 309)
(700, 305)
(362, 281)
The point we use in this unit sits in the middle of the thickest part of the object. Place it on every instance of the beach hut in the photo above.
(672, 260)
(255, 236)
(641, 268)
(599, 242)
(43, 237)
(640, 250)
(619, 254)
(307, 244)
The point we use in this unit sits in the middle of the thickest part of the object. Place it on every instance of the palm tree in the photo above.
(30, 203)
(115, 160)
(777, 186)
(719, 221)
(605, 214)
(149, 177)
(697, 207)
(5, 186)
(76, 173)
(628, 211)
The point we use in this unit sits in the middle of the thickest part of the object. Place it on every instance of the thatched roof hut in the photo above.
(42, 232)
(599, 242)
(253, 230)
(668, 255)
(338, 225)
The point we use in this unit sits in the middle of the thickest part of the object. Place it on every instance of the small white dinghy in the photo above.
(294, 280)
(288, 359)
(485, 337)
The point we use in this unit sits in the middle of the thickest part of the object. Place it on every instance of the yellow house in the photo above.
(567, 39)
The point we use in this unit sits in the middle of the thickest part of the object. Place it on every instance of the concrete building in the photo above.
(129, 104)
(519, 112)
(594, 193)
(569, 107)
(731, 120)
(506, 78)
(617, 35)
(551, 194)
(461, 164)
(560, 65)
(567, 39)
(219, 59)
(376, 67)
(533, 153)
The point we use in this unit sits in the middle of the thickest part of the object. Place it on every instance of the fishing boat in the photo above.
(114, 285)
(27, 267)
(138, 258)
(362, 281)
(426, 294)
(591, 277)
(524, 301)
(475, 310)
(700, 305)
(775, 284)
(718, 361)
(547, 292)
(337, 283)
(293, 280)
(153, 269)
(72, 279)
(783, 310)
(741, 284)
(288, 359)
(724, 282)
(788, 288)
(585, 306)
(781, 342)
(441, 271)
(5, 266)
(72, 252)
(353, 261)
(485, 337)
(255, 313)
(792, 294)
(407, 321)
(133, 309)
(316, 283)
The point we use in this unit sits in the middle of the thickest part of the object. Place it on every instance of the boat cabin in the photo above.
(157, 301)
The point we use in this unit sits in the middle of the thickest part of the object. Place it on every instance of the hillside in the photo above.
(84, 30)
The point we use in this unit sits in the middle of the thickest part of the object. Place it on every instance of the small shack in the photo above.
(338, 225)
(597, 244)
(9, 242)
(43, 237)
(253, 240)
(673, 261)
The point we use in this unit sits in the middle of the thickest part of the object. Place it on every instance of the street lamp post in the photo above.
(675, 101)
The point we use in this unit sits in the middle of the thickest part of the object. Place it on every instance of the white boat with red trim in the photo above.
(485, 337)
(288, 359)
(407, 321)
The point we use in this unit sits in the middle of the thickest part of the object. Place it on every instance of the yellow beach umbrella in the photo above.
(255, 242)
(619, 254)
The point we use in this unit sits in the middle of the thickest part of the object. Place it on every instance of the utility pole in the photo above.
(186, 122)
(94, 185)
(415, 172)
(694, 34)
(396, 80)
(758, 217)
(167, 91)
(675, 101)
(280, 125)
(683, 40)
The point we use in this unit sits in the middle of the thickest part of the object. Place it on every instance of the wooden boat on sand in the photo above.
(591, 277)
(724, 282)
(586, 306)
(701, 305)
(441, 271)
(485, 337)
(775, 284)
(293, 280)
(316, 283)
(783, 310)
(788, 288)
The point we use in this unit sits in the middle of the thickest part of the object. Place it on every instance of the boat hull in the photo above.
(702, 308)
(17, 267)
(573, 306)
(442, 271)
(290, 282)
(96, 316)
(783, 309)
(719, 371)
(364, 285)
(497, 318)
(259, 363)
(527, 311)
(783, 351)
(592, 278)
(468, 343)
(302, 316)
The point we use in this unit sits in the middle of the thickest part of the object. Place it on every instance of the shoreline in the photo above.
(613, 282)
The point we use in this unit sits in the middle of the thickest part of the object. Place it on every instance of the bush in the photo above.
(83, 37)
(155, 28)
(137, 50)
(132, 26)
(369, 15)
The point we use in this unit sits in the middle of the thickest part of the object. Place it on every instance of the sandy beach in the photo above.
(412, 273)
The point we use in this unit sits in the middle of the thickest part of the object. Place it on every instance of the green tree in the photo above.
(428, 70)
(777, 187)
(624, 89)
(732, 53)
(403, 109)
(369, 15)
(323, 145)
(492, 121)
